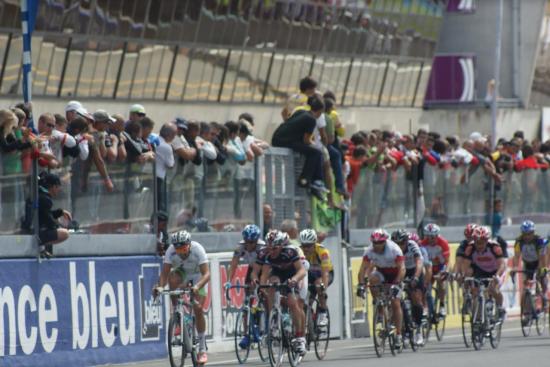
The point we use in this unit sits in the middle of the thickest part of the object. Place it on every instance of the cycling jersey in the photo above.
(531, 251)
(319, 259)
(388, 262)
(189, 268)
(248, 256)
(484, 264)
(461, 248)
(282, 266)
(438, 253)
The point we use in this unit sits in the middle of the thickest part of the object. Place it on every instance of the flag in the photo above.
(28, 17)
(323, 217)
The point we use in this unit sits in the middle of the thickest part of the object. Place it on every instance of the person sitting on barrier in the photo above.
(483, 259)
(186, 264)
(50, 233)
(296, 133)
(320, 272)
(384, 264)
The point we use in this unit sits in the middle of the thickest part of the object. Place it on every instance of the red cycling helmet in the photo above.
(469, 230)
(481, 232)
(379, 235)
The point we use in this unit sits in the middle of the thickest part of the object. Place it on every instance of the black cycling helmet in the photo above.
(400, 235)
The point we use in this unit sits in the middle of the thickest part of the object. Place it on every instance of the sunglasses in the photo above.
(50, 125)
(379, 243)
(307, 245)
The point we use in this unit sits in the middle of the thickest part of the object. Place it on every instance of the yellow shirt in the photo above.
(319, 259)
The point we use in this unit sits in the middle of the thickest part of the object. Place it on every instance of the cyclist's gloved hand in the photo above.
(395, 290)
(156, 291)
(361, 291)
(227, 285)
(292, 283)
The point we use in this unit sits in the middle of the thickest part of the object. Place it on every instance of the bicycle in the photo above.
(410, 328)
(315, 333)
(485, 321)
(182, 338)
(250, 322)
(436, 319)
(533, 305)
(382, 324)
(466, 313)
(280, 328)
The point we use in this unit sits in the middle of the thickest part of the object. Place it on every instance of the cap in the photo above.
(84, 113)
(181, 123)
(137, 108)
(103, 116)
(475, 136)
(73, 106)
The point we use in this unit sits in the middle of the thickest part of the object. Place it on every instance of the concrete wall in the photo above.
(459, 122)
(476, 33)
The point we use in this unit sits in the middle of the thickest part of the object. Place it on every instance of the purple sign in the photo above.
(452, 79)
(461, 6)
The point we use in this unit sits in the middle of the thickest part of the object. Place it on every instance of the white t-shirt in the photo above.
(246, 171)
(190, 265)
(321, 124)
(179, 142)
(164, 157)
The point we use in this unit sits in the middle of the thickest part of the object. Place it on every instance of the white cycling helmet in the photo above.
(180, 238)
(308, 236)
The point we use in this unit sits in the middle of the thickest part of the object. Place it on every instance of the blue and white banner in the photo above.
(80, 311)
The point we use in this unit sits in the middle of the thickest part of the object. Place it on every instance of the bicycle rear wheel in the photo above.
(379, 330)
(240, 332)
(526, 318)
(176, 347)
(321, 334)
(275, 338)
(466, 322)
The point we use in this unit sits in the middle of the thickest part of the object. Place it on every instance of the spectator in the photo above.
(147, 126)
(204, 139)
(60, 123)
(290, 227)
(78, 129)
(296, 133)
(118, 139)
(243, 182)
(193, 173)
(268, 219)
(50, 232)
(307, 89)
(529, 160)
(71, 110)
(137, 112)
(164, 161)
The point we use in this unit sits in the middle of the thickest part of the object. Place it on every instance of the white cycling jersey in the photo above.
(248, 256)
(190, 265)
(389, 259)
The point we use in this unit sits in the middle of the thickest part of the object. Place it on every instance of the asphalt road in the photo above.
(514, 350)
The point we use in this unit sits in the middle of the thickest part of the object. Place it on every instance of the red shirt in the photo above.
(355, 171)
(529, 163)
(438, 253)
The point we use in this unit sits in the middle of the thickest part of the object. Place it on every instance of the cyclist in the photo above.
(532, 250)
(438, 251)
(414, 270)
(320, 270)
(483, 259)
(186, 264)
(282, 264)
(248, 250)
(459, 262)
(383, 263)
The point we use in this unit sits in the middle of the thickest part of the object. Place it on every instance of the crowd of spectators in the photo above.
(96, 154)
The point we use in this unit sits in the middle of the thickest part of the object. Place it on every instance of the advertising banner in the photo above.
(80, 311)
(231, 307)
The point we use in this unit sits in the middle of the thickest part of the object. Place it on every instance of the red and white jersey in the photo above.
(388, 262)
(438, 253)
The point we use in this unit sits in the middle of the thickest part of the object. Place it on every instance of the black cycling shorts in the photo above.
(312, 276)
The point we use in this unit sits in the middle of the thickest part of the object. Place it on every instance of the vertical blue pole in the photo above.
(28, 14)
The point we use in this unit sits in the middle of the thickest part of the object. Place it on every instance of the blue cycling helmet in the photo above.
(527, 226)
(251, 233)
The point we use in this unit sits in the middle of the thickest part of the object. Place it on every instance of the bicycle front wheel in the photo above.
(496, 331)
(379, 330)
(541, 316)
(176, 347)
(441, 322)
(477, 327)
(275, 338)
(322, 334)
(261, 320)
(526, 318)
(466, 322)
(242, 336)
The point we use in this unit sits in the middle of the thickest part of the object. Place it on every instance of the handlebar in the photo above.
(238, 286)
